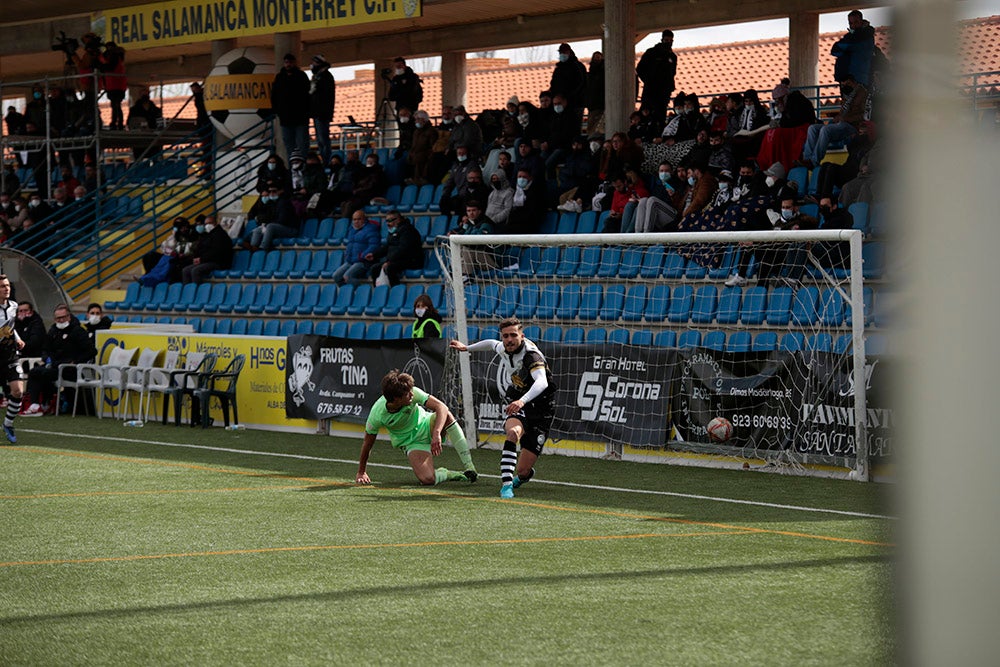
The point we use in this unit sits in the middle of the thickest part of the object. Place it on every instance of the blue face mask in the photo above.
(787, 213)
(558, 108)
(37, 96)
(265, 199)
(462, 158)
(692, 180)
(522, 183)
(664, 176)
(272, 166)
(200, 229)
(563, 57)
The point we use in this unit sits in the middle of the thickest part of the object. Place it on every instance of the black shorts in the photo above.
(536, 422)
(12, 371)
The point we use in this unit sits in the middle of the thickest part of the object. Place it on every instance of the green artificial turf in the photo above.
(159, 546)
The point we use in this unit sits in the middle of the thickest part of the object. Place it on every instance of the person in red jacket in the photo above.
(114, 83)
(628, 188)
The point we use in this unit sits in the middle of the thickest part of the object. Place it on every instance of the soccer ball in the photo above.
(238, 90)
(720, 429)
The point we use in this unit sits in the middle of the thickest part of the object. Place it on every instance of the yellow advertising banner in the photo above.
(186, 21)
(261, 387)
(238, 91)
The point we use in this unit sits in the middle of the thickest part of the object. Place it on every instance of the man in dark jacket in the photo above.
(31, 329)
(66, 343)
(595, 94)
(404, 86)
(402, 250)
(214, 252)
(322, 97)
(290, 101)
(569, 79)
(275, 218)
(657, 69)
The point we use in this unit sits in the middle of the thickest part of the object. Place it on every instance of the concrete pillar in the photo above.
(287, 42)
(453, 71)
(803, 50)
(221, 47)
(619, 64)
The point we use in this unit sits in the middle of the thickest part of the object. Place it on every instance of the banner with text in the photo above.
(340, 378)
(187, 21)
(618, 393)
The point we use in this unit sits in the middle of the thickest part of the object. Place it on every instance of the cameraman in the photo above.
(112, 62)
(86, 65)
(404, 85)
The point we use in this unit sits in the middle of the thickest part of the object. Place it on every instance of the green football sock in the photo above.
(445, 475)
(456, 436)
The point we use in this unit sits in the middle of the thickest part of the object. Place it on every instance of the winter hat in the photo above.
(513, 100)
(780, 91)
(776, 170)
(297, 156)
(320, 60)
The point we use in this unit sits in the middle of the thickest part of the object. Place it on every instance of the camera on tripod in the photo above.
(67, 45)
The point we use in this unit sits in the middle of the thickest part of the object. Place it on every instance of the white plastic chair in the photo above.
(135, 381)
(111, 376)
(158, 380)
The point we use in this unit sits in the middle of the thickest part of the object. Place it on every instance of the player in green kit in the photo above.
(415, 421)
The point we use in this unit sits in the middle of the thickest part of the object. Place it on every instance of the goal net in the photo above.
(650, 337)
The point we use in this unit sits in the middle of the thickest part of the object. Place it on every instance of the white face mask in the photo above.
(404, 119)
(62, 325)
(418, 125)
(209, 228)
(459, 118)
(595, 146)
(769, 181)
(461, 158)
(399, 71)
(94, 319)
(558, 108)
(723, 185)
(420, 311)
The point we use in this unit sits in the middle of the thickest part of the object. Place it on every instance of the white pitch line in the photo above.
(675, 494)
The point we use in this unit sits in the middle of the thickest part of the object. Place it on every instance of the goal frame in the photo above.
(456, 242)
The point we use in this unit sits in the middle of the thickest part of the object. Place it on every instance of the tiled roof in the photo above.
(704, 70)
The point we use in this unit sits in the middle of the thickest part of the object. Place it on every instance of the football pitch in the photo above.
(173, 545)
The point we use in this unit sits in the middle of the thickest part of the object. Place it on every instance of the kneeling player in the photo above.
(530, 411)
(415, 430)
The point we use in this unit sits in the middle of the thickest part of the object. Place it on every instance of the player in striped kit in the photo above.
(530, 411)
(10, 346)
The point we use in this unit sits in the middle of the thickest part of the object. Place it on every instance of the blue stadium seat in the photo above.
(878, 218)
(673, 266)
(552, 335)
(804, 307)
(680, 304)
(440, 225)
(614, 303)
(256, 327)
(590, 262)
(379, 297)
(573, 335)
(374, 330)
(531, 332)
(395, 302)
(765, 341)
(569, 302)
(569, 262)
(262, 299)
(695, 270)
(566, 223)
(619, 336)
(157, 296)
(172, 297)
(779, 306)
(610, 260)
(643, 337)
(303, 327)
(425, 196)
(631, 262)
(271, 328)
(436, 294)
(754, 305)
(323, 232)
(334, 259)
(471, 295)
(714, 340)
(393, 193)
(843, 344)
(356, 330)
(665, 339)
(868, 297)
(820, 342)
(239, 327)
(793, 341)
(728, 310)
(317, 265)
(549, 262)
(703, 307)
(634, 303)
(549, 223)
(489, 298)
(207, 325)
(223, 326)
(254, 266)
(279, 294)
(287, 262)
(287, 328)
(548, 302)
(407, 198)
(234, 292)
(321, 328)
(527, 304)
(652, 262)
(339, 329)
(831, 308)
(303, 263)
(596, 335)
(726, 266)
(657, 304)
(393, 331)
(812, 210)
(800, 177)
(873, 256)
(587, 222)
(215, 298)
(241, 260)
(340, 228)
(272, 262)
(131, 296)
(345, 295)
(688, 339)
(739, 341)
(591, 300)
(306, 234)
(813, 186)
(199, 300)
(432, 268)
(362, 294)
(290, 305)
(422, 223)
(474, 333)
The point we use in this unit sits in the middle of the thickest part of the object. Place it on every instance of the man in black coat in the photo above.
(403, 249)
(569, 79)
(214, 252)
(595, 94)
(31, 329)
(322, 97)
(657, 69)
(404, 86)
(66, 343)
(290, 101)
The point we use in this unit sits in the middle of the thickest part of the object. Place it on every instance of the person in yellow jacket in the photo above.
(428, 322)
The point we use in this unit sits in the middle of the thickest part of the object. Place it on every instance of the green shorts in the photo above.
(417, 440)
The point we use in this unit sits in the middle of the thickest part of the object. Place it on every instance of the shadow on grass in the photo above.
(315, 456)
(487, 585)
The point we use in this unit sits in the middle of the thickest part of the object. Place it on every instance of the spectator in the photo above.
(90, 173)
(528, 158)
(783, 142)
(406, 129)
(778, 96)
(214, 252)
(290, 102)
(428, 322)
(114, 82)
(569, 81)
(475, 188)
(465, 133)
(457, 182)
(6, 205)
(691, 121)
(656, 212)
(275, 218)
(578, 178)
(843, 126)
(31, 329)
(595, 94)
(721, 155)
(865, 186)
(528, 207)
(14, 121)
(96, 321)
(362, 240)
(11, 183)
(832, 254)
(564, 128)
(854, 51)
(204, 130)
(625, 154)
(402, 250)
(475, 223)
(405, 87)
(628, 188)
(501, 199)
(533, 130)
(718, 115)
(66, 343)
(505, 162)
(273, 169)
(322, 98)
(67, 180)
(701, 187)
(657, 69)
(833, 174)
(369, 182)
(178, 236)
(421, 150)
(144, 115)
(754, 121)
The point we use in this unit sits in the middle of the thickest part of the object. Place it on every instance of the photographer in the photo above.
(112, 62)
(86, 65)
(405, 88)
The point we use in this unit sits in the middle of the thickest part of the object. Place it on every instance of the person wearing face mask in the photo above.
(656, 213)
(96, 321)
(657, 69)
(578, 177)
(66, 343)
(405, 87)
(421, 149)
(31, 328)
(322, 98)
(528, 208)
(406, 128)
(456, 184)
(428, 322)
(291, 104)
(842, 127)
(466, 132)
(563, 129)
(702, 185)
(595, 94)
(476, 223)
(272, 169)
(214, 252)
(500, 201)
(275, 218)
(14, 121)
(569, 80)
(403, 249)
(853, 53)
(370, 182)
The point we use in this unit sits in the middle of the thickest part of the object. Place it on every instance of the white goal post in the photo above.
(648, 342)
